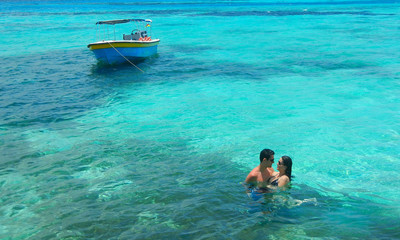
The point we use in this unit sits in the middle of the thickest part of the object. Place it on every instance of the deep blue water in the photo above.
(89, 151)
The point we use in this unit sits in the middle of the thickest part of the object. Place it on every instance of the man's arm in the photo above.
(251, 178)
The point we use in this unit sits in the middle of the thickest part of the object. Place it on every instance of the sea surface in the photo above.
(90, 151)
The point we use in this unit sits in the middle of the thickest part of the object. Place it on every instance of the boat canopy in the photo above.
(113, 22)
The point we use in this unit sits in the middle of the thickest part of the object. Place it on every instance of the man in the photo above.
(260, 175)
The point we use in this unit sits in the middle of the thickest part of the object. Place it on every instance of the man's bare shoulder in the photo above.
(255, 171)
(253, 174)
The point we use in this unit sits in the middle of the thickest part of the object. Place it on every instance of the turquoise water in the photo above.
(96, 152)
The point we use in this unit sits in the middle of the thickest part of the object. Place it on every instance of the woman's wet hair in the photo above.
(287, 161)
(266, 153)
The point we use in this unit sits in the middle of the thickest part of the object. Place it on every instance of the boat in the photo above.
(134, 46)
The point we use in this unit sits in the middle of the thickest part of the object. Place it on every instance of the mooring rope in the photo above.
(125, 57)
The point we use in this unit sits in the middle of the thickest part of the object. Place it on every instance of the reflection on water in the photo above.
(271, 201)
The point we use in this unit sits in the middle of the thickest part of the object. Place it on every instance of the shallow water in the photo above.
(92, 151)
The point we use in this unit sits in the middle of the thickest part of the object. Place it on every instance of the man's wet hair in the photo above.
(266, 153)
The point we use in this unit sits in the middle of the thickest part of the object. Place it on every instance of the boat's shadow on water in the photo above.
(136, 68)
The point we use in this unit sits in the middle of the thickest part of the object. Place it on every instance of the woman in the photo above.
(284, 175)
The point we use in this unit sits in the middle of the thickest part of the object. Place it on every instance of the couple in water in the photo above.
(264, 176)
